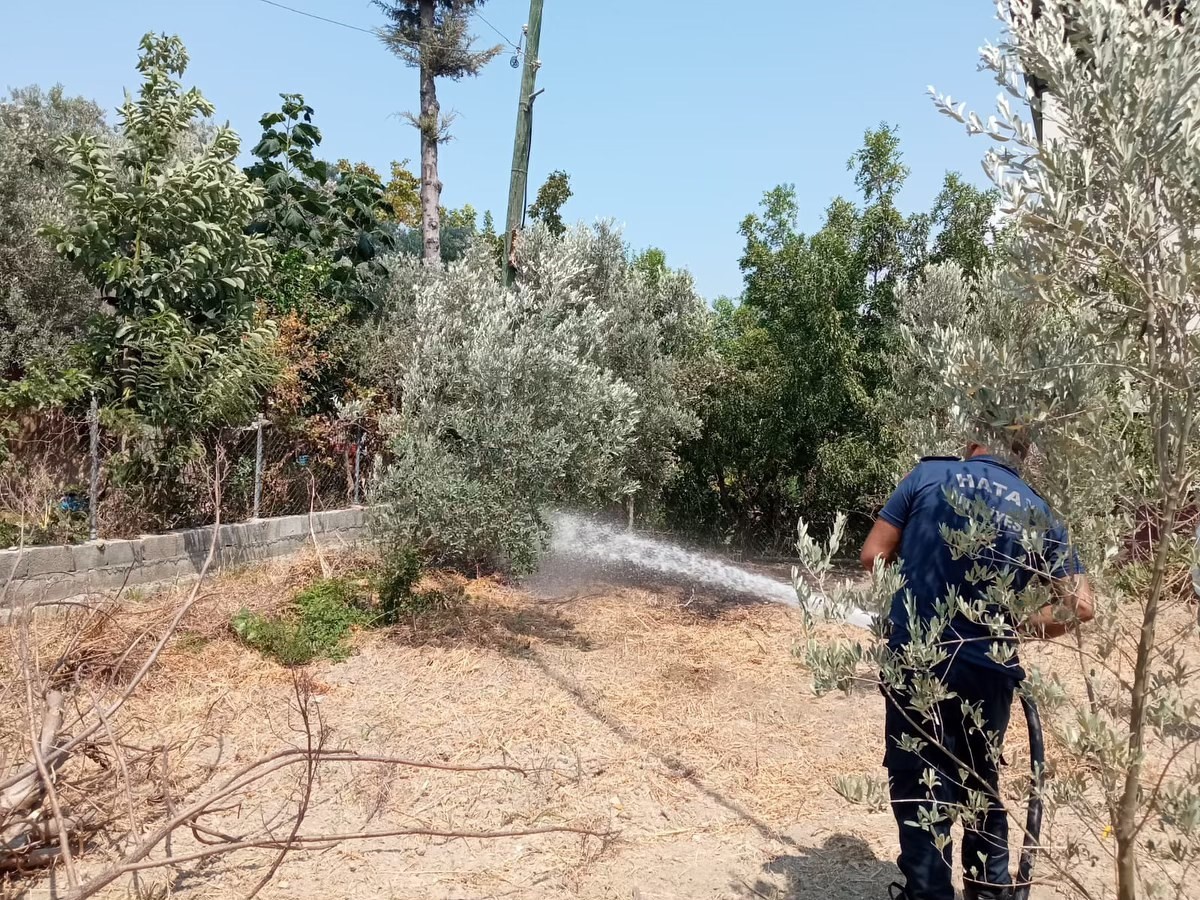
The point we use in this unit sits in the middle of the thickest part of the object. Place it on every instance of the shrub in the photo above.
(503, 409)
(315, 628)
(396, 582)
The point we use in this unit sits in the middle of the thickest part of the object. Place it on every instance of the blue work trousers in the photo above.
(957, 744)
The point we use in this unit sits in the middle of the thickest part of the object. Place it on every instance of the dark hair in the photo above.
(1013, 441)
(1019, 442)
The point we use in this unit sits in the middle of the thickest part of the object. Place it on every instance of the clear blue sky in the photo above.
(672, 116)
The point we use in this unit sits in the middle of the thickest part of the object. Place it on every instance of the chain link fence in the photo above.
(65, 478)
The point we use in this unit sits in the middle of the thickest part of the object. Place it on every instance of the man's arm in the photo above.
(1072, 607)
(883, 541)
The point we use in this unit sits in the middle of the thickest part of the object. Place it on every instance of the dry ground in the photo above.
(678, 721)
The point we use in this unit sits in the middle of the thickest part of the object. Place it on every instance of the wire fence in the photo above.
(65, 478)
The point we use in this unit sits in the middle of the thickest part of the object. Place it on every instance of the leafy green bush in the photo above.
(396, 583)
(279, 638)
(328, 609)
(316, 628)
(180, 349)
(569, 389)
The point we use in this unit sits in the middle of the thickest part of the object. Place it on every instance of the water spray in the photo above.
(585, 540)
(575, 537)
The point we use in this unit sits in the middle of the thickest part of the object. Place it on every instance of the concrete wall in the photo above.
(57, 573)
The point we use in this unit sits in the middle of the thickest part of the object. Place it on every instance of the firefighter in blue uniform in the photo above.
(909, 530)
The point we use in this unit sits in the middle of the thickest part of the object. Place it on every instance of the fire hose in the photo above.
(1033, 815)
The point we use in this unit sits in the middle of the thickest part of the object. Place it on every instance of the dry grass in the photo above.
(691, 733)
(682, 723)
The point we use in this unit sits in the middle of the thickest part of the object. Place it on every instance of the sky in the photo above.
(673, 117)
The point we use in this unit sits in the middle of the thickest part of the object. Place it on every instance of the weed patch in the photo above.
(316, 627)
(396, 582)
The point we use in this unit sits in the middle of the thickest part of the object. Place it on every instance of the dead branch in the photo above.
(326, 570)
(35, 831)
(63, 750)
(61, 829)
(23, 794)
(224, 795)
(312, 756)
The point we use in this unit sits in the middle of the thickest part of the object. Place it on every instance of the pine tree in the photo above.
(432, 36)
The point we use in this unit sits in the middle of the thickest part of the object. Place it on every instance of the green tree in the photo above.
(1084, 341)
(321, 211)
(965, 217)
(403, 194)
(962, 228)
(433, 37)
(156, 222)
(460, 228)
(552, 196)
(655, 339)
(44, 301)
(165, 242)
(329, 226)
(491, 239)
(501, 411)
(816, 315)
(587, 374)
(815, 332)
(652, 264)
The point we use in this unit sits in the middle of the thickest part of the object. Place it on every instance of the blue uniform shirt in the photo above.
(920, 506)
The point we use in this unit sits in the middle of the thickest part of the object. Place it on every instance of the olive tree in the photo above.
(502, 408)
(655, 339)
(1086, 339)
(44, 302)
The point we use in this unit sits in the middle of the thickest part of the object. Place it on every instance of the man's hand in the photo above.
(1072, 607)
(883, 541)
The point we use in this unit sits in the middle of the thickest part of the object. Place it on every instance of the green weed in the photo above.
(317, 626)
(395, 584)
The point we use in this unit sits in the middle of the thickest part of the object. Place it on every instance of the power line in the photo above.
(375, 34)
(301, 12)
(505, 37)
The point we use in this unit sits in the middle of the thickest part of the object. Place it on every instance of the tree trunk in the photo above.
(629, 503)
(1127, 809)
(430, 122)
(1172, 419)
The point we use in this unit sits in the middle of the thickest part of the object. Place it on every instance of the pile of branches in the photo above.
(29, 835)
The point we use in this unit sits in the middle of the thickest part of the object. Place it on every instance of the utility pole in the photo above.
(519, 182)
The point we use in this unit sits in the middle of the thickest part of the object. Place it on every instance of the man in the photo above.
(910, 528)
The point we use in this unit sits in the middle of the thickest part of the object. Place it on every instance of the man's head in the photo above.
(1012, 444)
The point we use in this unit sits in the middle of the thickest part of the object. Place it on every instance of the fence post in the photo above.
(258, 465)
(94, 480)
(358, 450)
